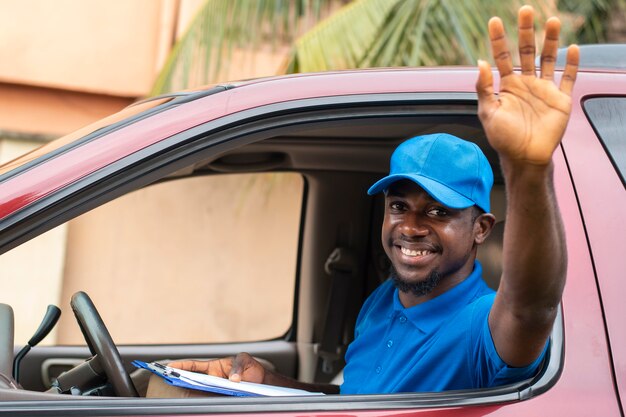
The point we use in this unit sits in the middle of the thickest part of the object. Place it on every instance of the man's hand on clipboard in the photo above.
(242, 367)
(211, 383)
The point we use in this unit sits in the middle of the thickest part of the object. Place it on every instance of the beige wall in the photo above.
(52, 112)
(63, 65)
(205, 259)
(30, 275)
(99, 46)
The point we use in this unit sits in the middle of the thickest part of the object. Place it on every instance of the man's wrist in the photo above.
(512, 168)
(270, 378)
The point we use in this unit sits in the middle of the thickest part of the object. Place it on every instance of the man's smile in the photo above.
(413, 253)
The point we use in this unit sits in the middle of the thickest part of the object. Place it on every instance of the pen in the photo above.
(166, 369)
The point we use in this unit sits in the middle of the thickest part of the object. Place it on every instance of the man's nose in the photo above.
(414, 226)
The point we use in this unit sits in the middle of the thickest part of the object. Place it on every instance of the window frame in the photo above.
(179, 151)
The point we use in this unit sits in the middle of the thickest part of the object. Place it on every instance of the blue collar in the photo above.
(429, 315)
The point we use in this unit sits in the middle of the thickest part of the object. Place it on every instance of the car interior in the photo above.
(340, 257)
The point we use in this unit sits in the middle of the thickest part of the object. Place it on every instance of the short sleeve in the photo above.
(490, 370)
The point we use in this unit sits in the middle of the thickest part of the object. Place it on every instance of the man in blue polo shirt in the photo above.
(435, 325)
(430, 320)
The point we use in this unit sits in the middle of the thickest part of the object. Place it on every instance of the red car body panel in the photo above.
(584, 178)
(602, 201)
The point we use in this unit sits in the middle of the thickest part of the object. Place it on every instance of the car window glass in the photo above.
(608, 117)
(193, 260)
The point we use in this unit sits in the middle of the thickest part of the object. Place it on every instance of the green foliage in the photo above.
(341, 40)
(221, 25)
(363, 33)
(596, 14)
(379, 33)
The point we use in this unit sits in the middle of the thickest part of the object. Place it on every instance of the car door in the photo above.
(598, 167)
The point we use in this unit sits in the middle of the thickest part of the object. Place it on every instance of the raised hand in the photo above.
(525, 122)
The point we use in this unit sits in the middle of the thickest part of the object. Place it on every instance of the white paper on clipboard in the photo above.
(208, 383)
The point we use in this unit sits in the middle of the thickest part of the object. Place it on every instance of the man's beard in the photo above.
(419, 288)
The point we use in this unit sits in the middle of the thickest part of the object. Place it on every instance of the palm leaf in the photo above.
(342, 36)
(341, 40)
(202, 54)
(373, 33)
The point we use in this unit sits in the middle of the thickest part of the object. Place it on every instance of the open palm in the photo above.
(527, 119)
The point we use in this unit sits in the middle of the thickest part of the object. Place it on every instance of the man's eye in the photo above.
(396, 206)
(439, 212)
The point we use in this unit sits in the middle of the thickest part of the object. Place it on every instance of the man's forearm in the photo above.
(535, 256)
(534, 265)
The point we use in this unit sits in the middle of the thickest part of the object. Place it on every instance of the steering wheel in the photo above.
(101, 345)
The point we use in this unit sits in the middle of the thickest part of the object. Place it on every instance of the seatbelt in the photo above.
(340, 265)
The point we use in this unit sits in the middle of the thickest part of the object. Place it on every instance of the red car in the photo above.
(334, 132)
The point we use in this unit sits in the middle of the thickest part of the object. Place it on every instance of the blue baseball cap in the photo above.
(453, 171)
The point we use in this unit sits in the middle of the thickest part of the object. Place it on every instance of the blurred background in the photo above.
(67, 63)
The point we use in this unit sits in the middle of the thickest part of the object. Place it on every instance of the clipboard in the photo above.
(208, 383)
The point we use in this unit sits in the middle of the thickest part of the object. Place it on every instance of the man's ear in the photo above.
(482, 227)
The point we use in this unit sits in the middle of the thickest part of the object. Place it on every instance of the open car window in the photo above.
(193, 260)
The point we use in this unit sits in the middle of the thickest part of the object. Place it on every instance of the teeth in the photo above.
(410, 252)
